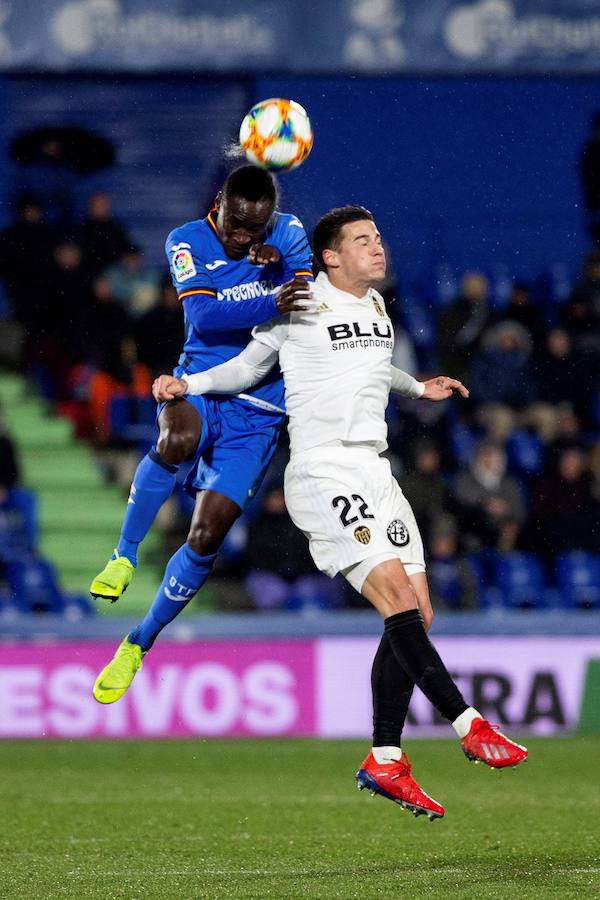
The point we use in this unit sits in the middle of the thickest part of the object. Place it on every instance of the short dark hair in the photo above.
(252, 184)
(326, 235)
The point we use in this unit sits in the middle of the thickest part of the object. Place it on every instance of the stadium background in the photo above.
(462, 127)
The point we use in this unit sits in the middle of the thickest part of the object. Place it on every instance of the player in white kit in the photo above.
(336, 362)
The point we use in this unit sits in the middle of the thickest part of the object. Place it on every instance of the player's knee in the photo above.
(399, 598)
(174, 447)
(205, 538)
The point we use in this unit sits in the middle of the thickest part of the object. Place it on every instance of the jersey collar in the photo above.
(323, 280)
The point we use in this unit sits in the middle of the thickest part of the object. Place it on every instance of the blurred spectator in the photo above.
(282, 572)
(489, 501)
(501, 371)
(461, 325)
(589, 168)
(452, 581)
(9, 466)
(25, 257)
(424, 487)
(565, 510)
(102, 237)
(52, 321)
(159, 332)
(107, 326)
(581, 313)
(133, 283)
(18, 514)
(565, 376)
(519, 308)
(125, 379)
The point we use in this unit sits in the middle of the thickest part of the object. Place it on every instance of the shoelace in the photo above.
(401, 767)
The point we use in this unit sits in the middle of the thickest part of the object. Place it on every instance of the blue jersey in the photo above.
(223, 298)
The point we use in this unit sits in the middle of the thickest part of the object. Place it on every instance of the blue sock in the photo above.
(153, 483)
(185, 574)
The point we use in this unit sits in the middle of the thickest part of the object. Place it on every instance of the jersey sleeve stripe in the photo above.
(303, 272)
(197, 291)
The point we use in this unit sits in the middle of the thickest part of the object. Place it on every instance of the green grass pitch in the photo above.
(283, 819)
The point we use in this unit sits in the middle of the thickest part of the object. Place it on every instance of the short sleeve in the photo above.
(273, 333)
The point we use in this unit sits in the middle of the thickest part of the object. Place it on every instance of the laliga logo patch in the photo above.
(397, 533)
(362, 534)
(183, 265)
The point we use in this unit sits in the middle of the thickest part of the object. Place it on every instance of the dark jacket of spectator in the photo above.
(501, 371)
(102, 238)
(461, 325)
(159, 333)
(9, 466)
(489, 502)
(25, 259)
(520, 309)
(566, 514)
(274, 543)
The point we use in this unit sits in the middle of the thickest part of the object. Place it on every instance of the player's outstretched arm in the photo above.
(237, 374)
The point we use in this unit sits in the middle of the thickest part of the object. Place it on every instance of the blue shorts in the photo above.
(237, 444)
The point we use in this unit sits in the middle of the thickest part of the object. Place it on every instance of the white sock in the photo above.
(385, 755)
(462, 724)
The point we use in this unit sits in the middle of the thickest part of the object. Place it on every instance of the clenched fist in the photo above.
(168, 387)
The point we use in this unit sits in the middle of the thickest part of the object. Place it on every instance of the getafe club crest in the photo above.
(397, 533)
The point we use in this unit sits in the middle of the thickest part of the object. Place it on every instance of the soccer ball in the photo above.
(276, 134)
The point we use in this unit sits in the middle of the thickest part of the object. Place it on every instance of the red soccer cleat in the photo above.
(394, 781)
(486, 743)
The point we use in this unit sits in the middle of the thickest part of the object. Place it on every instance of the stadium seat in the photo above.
(578, 579)
(520, 579)
(525, 452)
(501, 281)
(419, 321)
(462, 443)
(33, 586)
(18, 524)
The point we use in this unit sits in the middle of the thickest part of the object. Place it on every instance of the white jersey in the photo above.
(336, 365)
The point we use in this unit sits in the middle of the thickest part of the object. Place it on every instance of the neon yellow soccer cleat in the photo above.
(115, 678)
(113, 580)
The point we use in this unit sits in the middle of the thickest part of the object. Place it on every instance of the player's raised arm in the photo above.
(237, 374)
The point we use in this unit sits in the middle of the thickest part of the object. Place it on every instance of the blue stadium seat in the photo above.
(33, 586)
(462, 443)
(419, 321)
(501, 281)
(578, 579)
(520, 579)
(525, 452)
(18, 524)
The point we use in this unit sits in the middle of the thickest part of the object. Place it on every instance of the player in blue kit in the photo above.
(226, 269)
